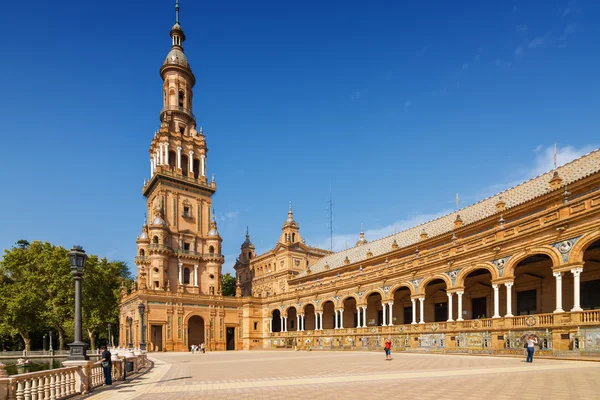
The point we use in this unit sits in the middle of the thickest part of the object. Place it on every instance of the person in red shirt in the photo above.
(388, 349)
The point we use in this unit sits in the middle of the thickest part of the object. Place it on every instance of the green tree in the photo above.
(101, 295)
(227, 284)
(22, 294)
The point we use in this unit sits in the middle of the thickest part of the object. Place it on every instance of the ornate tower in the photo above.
(290, 230)
(179, 249)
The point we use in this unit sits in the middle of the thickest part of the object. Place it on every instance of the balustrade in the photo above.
(589, 316)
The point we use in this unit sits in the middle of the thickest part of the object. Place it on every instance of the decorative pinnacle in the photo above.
(361, 229)
(177, 11)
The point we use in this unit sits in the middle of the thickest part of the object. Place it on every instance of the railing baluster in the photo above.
(52, 387)
(34, 389)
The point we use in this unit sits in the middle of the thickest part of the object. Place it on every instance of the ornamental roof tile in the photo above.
(571, 172)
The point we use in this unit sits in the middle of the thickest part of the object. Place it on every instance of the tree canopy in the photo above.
(37, 292)
(227, 285)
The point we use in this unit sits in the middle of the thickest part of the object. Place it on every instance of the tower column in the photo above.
(390, 310)
(161, 154)
(179, 157)
(414, 311)
(508, 299)
(203, 164)
(422, 309)
(342, 319)
(384, 314)
(577, 288)
(196, 275)
(167, 153)
(558, 276)
(192, 161)
(364, 315)
(151, 167)
(335, 315)
(180, 273)
(358, 316)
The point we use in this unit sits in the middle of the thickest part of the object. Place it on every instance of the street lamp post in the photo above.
(141, 308)
(77, 349)
(50, 349)
(109, 344)
(130, 321)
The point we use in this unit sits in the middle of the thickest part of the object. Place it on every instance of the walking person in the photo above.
(531, 342)
(388, 349)
(106, 365)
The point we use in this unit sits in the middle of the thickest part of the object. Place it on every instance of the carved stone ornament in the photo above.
(360, 294)
(565, 247)
(337, 299)
(416, 283)
(453, 275)
(386, 289)
(500, 264)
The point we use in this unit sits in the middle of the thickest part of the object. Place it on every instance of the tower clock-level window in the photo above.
(186, 276)
(211, 250)
(186, 246)
(182, 129)
(181, 97)
(186, 211)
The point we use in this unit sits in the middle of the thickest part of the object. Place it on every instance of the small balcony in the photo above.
(177, 109)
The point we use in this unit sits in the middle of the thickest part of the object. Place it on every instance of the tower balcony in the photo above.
(197, 255)
(177, 110)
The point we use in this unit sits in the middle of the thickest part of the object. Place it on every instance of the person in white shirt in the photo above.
(531, 342)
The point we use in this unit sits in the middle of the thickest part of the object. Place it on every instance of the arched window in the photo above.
(211, 250)
(142, 253)
(249, 256)
(186, 276)
(155, 240)
(293, 237)
(181, 97)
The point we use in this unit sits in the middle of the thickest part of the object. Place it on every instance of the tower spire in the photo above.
(177, 11)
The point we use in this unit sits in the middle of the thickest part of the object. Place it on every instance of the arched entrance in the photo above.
(309, 318)
(195, 330)
(292, 320)
(436, 301)
(276, 321)
(402, 309)
(328, 315)
(374, 310)
(350, 314)
(478, 300)
(590, 279)
(534, 286)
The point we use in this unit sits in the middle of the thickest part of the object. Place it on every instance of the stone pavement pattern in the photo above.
(357, 375)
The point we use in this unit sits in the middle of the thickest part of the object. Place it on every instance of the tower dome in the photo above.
(289, 222)
(362, 239)
(247, 243)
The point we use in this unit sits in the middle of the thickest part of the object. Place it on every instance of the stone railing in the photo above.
(78, 378)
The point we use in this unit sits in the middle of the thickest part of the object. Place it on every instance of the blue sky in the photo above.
(398, 105)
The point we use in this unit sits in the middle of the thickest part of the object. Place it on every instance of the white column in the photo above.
(271, 324)
(450, 319)
(576, 289)
(364, 315)
(156, 160)
(151, 167)
(496, 301)
(390, 323)
(342, 319)
(161, 155)
(180, 273)
(298, 322)
(179, 157)
(335, 317)
(196, 275)
(384, 314)
(191, 161)
(558, 277)
(508, 299)
(414, 313)
(303, 320)
(167, 153)
(358, 316)
(459, 311)
(281, 321)
(203, 164)
(321, 320)
(422, 309)
(286, 323)
(316, 321)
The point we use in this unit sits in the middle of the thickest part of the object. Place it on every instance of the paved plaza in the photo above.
(353, 375)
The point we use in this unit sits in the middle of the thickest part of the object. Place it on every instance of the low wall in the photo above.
(77, 377)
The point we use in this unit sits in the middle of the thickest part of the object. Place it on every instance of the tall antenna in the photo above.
(177, 11)
(330, 219)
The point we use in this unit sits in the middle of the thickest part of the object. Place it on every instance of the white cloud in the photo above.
(228, 216)
(571, 9)
(341, 241)
(544, 157)
(407, 103)
(537, 42)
